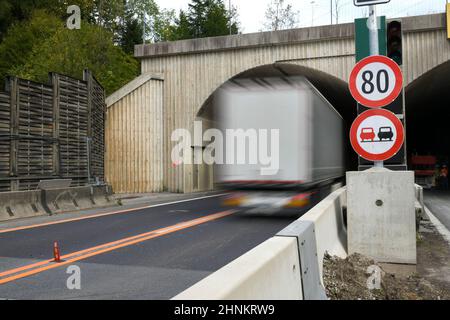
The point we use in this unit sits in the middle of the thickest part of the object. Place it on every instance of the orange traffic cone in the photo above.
(56, 253)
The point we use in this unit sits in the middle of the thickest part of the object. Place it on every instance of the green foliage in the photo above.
(70, 51)
(163, 26)
(158, 22)
(17, 47)
(12, 11)
(5, 17)
(34, 40)
(182, 29)
(130, 33)
(205, 18)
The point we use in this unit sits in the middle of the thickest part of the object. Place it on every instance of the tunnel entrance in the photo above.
(333, 89)
(427, 121)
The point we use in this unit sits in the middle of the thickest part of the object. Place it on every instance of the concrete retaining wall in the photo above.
(16, 205)
(273, 269)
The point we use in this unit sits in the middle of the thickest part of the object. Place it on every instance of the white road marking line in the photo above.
(186, 200)
(105, 214)
(439, 226)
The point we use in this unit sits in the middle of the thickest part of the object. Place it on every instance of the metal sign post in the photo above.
(374, 49)
(373, 31)
(373, 36)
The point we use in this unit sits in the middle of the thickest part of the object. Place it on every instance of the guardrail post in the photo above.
(14, 131)
(309, 265)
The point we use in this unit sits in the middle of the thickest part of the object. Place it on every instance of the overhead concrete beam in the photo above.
(273, 38)
(241, 41)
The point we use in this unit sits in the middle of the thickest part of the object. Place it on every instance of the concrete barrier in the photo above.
(21, 204)
(329, 218)
(420, 205)
(25, 204)
(76, 198)
(102, 195)
(287, 266)
(268, 272)
(67, 199)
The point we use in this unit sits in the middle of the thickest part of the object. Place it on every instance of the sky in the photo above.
(318, 12)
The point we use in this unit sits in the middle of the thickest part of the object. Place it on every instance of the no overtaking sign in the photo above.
(377, 135)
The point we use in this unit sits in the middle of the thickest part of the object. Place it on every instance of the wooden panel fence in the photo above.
(51, 131)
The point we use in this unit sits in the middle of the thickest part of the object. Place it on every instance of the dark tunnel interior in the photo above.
(333, 89)
(427, 114)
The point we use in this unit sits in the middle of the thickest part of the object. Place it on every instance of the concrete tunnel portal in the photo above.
(333, 89)
(427, 125)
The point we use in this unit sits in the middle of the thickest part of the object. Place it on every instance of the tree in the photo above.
(16, 48)
(42, 44)
(217, 21)
(337, 8)
(163, 25)
(156, 23)
(182, 29)
(280, 16)
(205, 18)
(131, 32)
(14, 11)
(101, 12)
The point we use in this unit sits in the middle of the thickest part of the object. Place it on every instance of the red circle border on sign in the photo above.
(389, 99)
(382, 156)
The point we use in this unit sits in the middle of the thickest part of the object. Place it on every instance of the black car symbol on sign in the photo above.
(385, 133)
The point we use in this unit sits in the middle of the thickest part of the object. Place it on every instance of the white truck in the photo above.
(284, 142)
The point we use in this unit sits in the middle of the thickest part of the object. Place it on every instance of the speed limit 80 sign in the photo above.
(376, 81)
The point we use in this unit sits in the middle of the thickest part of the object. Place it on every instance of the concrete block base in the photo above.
(381, 215)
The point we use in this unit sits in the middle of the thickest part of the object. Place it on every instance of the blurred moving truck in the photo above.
(284, 143)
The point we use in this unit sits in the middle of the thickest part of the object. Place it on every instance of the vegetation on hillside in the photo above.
(34, 39)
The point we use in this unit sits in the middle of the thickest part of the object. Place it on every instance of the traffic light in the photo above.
(394, 42)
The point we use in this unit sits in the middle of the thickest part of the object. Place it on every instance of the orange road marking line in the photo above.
(107, 247)
(103, 214)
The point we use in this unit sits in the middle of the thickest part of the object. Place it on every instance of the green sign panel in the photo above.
(362, 38)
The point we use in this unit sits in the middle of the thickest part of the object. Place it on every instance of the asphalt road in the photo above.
(152, 253)
(438, 201)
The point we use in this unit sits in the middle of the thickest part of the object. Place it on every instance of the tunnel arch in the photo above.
(334, 89)
(427, 122)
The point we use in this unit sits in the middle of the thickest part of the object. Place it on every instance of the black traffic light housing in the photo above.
(394, 41)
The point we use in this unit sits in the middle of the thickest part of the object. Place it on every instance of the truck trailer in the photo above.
(284, 143)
